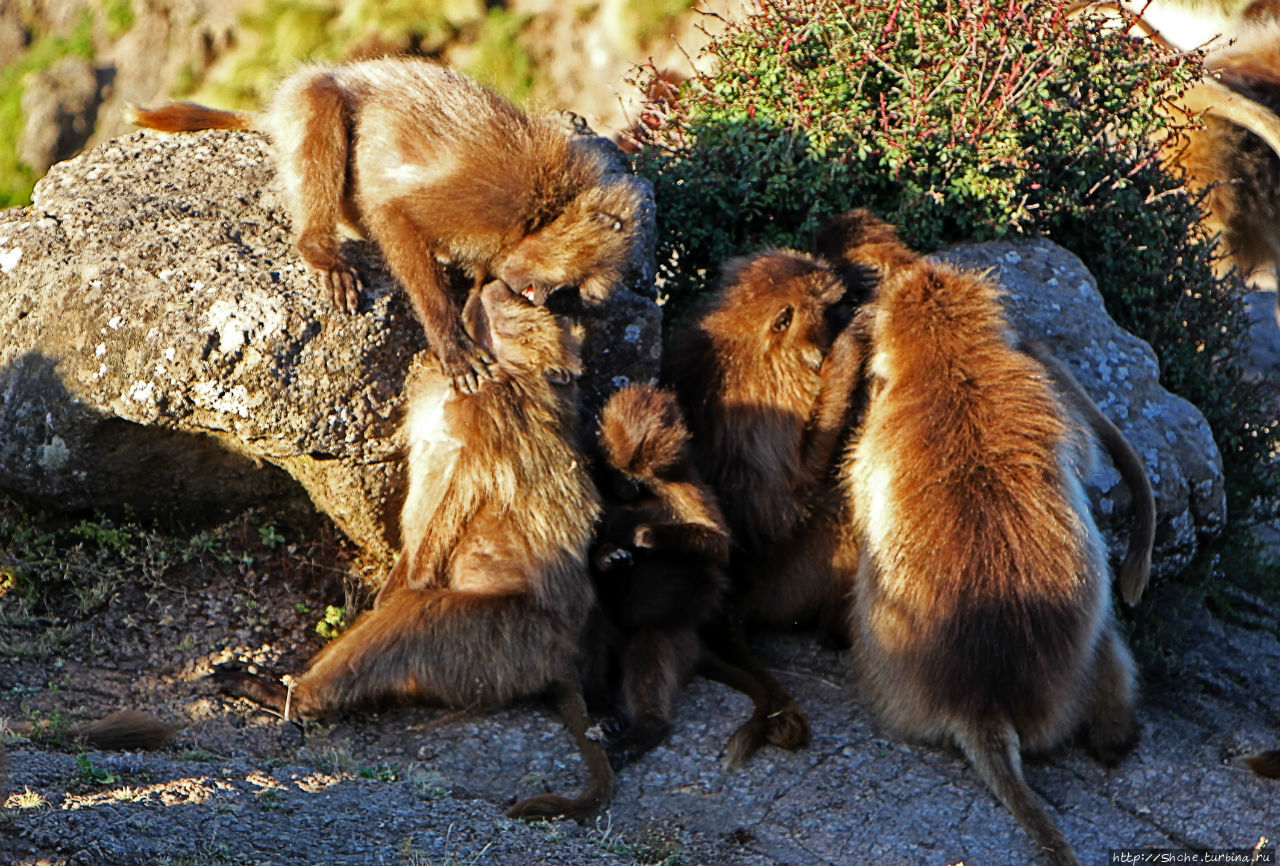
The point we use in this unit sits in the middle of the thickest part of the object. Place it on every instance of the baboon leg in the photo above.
(423, 278)
(1111, 726)
(567, 695)
(655, 664)
(995, 752)
(316, 162)
(754, 732)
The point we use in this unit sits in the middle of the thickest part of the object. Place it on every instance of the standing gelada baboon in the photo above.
(982, 613)
(659, 570)
(489, 595)
(434, 167)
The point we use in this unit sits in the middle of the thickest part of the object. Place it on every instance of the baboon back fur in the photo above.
(431, 165)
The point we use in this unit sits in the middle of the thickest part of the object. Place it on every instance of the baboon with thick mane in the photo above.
(488, 598)
(432, 166)
(982, 613)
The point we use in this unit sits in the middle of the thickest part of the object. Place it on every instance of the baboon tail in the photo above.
(599, 788)
(187, 117)
(125, 730)
(1136, 567)
(1265, 763)
(996, 753)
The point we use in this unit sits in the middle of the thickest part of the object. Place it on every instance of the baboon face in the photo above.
(520, 334)
(790, 302)
(580, 252)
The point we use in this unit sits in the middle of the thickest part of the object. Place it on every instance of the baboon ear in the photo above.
(782, 321)
(614, 223)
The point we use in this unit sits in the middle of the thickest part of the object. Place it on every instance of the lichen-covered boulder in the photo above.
(167, 348)
(1051, 296)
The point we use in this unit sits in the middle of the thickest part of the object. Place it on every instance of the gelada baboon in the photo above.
(432, 166)
(659, 569)
(1233, 157)
(488, 597)
(765, 375)
(982, 612)
(850, 241)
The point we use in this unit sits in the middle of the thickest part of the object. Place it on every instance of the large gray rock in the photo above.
(166, 347)
(1050, 296)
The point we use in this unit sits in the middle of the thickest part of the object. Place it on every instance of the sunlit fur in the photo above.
(431, 165)
(982, 614)
(489, 596)
(766, 381)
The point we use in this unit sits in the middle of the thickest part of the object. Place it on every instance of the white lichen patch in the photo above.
(239, 323)
(9, 259)
(142, 392)
(53, 455)
(230, 401)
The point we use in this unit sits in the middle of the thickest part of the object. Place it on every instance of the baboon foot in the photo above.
(1111, 739)
(638, 739)
(788, 727)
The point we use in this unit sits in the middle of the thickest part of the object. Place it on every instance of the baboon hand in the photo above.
(467, 366)
(343, 286)
(610, 556)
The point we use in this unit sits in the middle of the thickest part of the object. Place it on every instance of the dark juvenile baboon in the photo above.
(489, 595)
(659, 571)
(432, 166)
(982, 613)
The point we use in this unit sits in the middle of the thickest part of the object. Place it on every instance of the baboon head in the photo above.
(582, 252)
(521, 335)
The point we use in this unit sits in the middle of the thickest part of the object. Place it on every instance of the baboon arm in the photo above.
(694, 542)
(841, 369)
(567, 695)
(1136, 567)
(415, 267)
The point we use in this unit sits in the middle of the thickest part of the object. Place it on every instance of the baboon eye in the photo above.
(783, 320)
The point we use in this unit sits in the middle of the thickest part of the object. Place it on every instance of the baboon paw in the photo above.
(788, 727)
(467, 368)
(544, 806)
(744, 743)
(610, 557)
(343, 285)
(1109, 744)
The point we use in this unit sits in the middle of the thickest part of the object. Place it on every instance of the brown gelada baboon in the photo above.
(434, 168)
(659, 570)
(982, 616)
(766, 375)
(481, 607)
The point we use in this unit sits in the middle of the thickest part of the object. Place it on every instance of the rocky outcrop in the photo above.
(167, 348)
(1050, 296)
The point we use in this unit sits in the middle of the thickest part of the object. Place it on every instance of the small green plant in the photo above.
(92, 776)
(958, 120)
(270, 536)
(429, 784)
(335, 620)
(383, 773)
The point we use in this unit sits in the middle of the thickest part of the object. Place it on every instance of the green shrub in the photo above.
(956, 120)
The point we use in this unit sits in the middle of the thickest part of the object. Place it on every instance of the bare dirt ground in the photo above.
(421, 786)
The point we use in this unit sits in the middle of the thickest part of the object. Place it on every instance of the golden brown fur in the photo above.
(490, 593)
(659, 567)
(982, 611)
(766, 374)
(1233, 158)
(430, 165)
